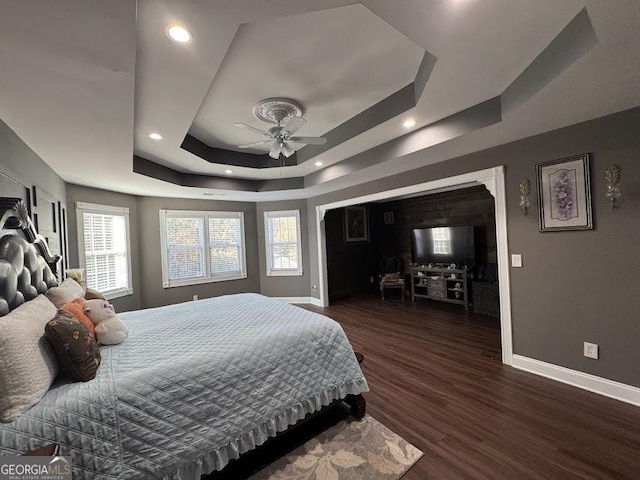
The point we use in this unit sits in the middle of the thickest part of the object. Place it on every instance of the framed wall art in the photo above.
(564, 194)
(356, 225)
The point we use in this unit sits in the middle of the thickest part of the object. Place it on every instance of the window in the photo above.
(283, 242)
(104, 233)
(442, 240)
(200, 247)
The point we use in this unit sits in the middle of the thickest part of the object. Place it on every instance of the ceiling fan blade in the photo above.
(287, 150)
(275, 151)
(254, 144)
(249, 127)
(309, 140)
(293, 125)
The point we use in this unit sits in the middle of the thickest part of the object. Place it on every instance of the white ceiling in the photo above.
(329, 61)
(84, 82)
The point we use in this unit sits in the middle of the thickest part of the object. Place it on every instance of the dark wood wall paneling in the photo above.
(470, 206)
(351, 265)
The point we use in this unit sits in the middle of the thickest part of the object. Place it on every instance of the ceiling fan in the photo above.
(287, 117)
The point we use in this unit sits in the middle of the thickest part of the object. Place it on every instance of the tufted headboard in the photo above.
(27, 267)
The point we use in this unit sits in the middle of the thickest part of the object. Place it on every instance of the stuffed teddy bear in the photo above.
(110, 330)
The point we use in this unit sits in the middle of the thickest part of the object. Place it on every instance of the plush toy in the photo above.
(110, 330)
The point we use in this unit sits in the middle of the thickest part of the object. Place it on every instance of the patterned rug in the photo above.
(350, 450)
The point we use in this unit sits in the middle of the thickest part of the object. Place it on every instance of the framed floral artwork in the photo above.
(356, 225)
(564, 194)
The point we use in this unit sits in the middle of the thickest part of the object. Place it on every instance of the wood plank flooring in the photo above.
(436, 379)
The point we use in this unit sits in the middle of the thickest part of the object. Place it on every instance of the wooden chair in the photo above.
(392, 275)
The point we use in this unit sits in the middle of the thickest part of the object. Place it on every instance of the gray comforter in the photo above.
(192, 387)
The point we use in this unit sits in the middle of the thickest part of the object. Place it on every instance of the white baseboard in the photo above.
(309, 300)
(586, 381)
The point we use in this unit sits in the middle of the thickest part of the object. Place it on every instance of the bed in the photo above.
(194, 386)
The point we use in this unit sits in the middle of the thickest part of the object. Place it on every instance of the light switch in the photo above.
(516, 260)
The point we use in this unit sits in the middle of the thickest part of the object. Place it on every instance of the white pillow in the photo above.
(28, 364)
(66, 292)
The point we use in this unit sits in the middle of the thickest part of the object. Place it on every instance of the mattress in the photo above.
(193, 386)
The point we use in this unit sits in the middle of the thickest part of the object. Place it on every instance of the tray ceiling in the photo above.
(84, 83)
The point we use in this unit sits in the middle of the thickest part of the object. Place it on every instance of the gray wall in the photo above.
(18, 160)
(21, 169)
(575, 286)
(77, 193)
(145, 246)
(284, 286)
(152, 294)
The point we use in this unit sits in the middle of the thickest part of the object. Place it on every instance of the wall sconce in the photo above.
(525, 190)
(612, 176)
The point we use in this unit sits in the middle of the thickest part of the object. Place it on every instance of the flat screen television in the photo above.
(444, 245)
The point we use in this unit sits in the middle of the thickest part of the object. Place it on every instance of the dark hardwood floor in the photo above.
(437, 380)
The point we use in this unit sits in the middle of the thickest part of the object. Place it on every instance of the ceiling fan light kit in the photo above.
(280, 111)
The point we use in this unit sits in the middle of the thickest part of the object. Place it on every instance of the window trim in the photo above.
(208, 278)
(282, 272)
(81, 209)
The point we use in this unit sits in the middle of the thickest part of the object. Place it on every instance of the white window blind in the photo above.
(200, 247)
(283, 243)
(104, 233)
(185, 248)
(225, 236)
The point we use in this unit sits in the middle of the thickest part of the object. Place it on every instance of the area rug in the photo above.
(350, 450)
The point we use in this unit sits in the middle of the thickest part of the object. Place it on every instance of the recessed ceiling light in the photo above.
(154, 136)
(179, 34)
(228, 171)
(410, 122)
(318, 164)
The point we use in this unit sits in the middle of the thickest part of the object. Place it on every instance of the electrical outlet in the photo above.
(591, 350)
(195, 297)
(314, 288)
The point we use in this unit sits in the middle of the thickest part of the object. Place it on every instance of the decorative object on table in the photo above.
(564, 194)
(453, 275)
(110, 330)
(458, 285)
(356, 225)
(350, 450)
(612, 176)
(525, 191)
(452, 266)
(389, 218)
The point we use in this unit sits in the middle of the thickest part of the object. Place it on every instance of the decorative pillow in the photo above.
(64, 293)
(76, 308)
(28, 364)
(75, 347)
(92, 294)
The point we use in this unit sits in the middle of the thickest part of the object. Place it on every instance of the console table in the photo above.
(443, 284)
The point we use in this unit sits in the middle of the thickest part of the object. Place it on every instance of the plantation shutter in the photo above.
(106, 257)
